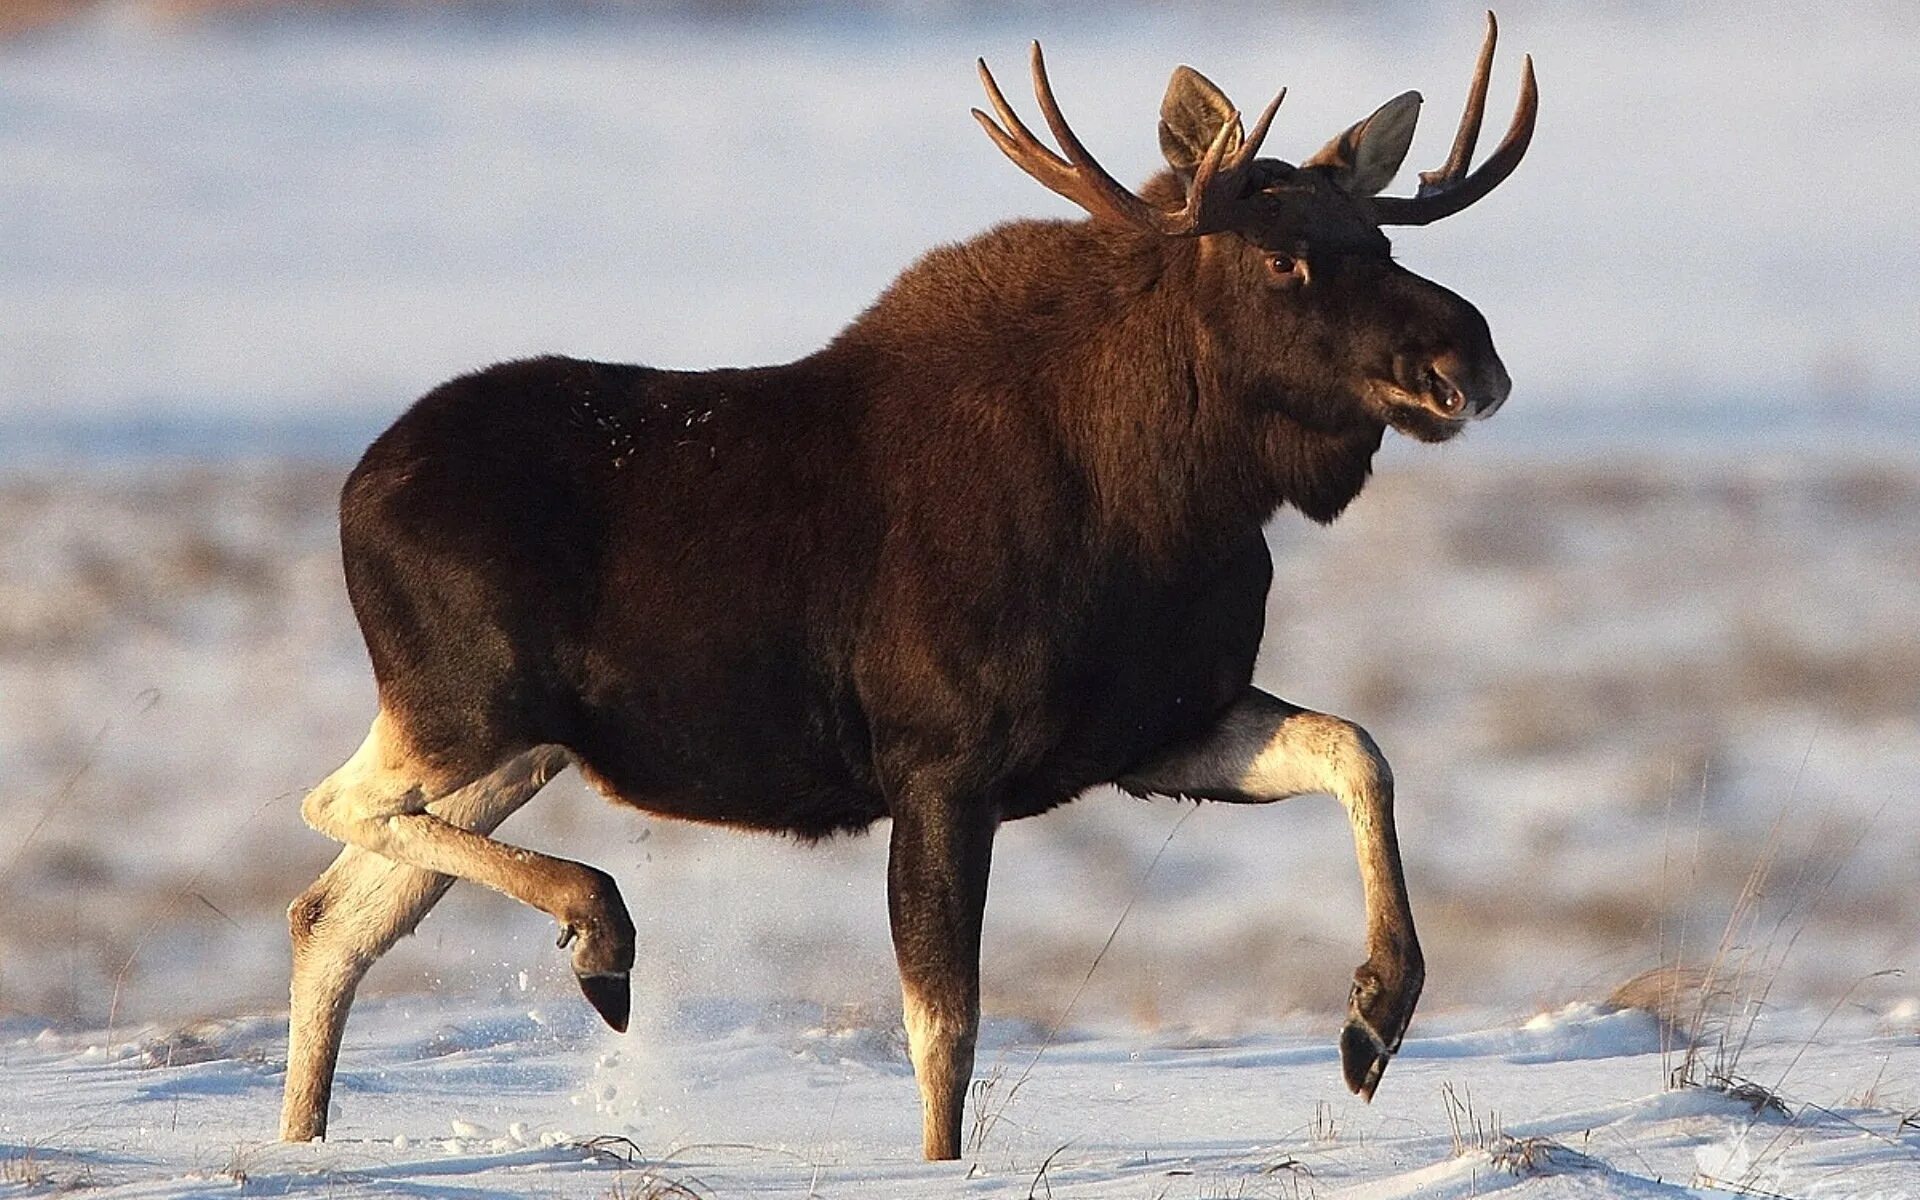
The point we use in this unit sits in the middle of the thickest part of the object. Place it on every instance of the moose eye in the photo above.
(1286, 268)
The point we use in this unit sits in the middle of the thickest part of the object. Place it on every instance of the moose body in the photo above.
(998, 543)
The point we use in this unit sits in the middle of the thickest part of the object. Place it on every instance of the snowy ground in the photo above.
(456, 1099)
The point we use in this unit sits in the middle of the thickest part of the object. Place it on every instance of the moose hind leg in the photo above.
(354, 913)
(378, 802)
(1264, 749)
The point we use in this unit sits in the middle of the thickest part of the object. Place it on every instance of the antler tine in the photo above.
(1217, 177)
(1016, 135)
(1251, 146)
(1464, 139)
(1017, 142)
(1096, 183)
(1209, 187)
(1056, 174)
(1080, 178)
(1442, 198)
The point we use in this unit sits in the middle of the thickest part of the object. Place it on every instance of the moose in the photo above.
(997, 544)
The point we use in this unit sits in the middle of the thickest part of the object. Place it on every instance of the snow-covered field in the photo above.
(456, 1099)
(1672, 715)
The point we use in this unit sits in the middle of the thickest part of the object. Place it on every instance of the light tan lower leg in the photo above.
(1314, 752)
(941, 1046)
(355, 912)
(1264, 749)
(378, 802)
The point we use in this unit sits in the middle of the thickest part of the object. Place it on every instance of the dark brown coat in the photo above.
(998, 543)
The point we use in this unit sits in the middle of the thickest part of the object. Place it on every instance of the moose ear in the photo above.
(1365, 158)
(1191, 117)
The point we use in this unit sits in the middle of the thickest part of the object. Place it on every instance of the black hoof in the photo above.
(611, 997)
(1362, 1059)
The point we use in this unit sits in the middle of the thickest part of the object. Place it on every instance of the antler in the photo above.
(1215, 188)
(1450, 189)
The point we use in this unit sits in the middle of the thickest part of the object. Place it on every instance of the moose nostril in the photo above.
(1448, 398)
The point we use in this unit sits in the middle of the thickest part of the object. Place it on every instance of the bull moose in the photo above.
(997, 544)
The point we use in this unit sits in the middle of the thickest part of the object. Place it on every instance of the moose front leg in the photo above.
(937, 867)
(1264, 749)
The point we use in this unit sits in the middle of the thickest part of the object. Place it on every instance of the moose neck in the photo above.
(1094, 334)
(1185, 447)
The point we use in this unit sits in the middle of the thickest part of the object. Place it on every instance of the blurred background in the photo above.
(1645, 651)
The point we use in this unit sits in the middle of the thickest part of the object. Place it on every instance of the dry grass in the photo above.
(1670, 995)
(1469, 1129)
(1525, 1157)
(1473, 1132)
(104, 560)
(26, 1170)
(1709, 1014)
(42, 1171)
(647, 1185)
(639, 1179)
(1323, 1130)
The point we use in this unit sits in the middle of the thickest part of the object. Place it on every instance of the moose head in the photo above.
(1295, 274)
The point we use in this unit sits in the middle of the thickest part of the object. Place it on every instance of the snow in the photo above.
(451, 1097)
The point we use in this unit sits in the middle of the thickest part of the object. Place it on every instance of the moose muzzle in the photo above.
(1454, 388)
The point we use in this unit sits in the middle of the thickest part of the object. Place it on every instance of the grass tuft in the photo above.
(649, 1186)
(1470, 1131)
(1669, 994)
(27, 1171)
(1522, 1157)
(1528, 1157)
(1324, 1130)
